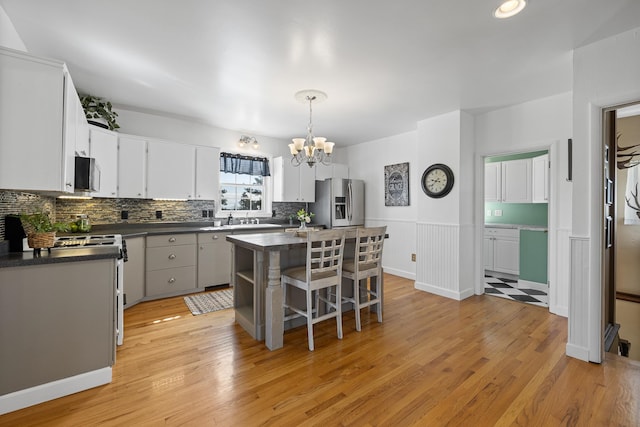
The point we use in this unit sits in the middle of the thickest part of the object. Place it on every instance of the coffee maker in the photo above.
(14, 233)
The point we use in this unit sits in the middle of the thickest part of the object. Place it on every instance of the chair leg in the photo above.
(309, 320)
(378, 282)
(339, 309)
(356, 305)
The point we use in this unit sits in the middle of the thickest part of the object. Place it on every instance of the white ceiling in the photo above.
(384, 64)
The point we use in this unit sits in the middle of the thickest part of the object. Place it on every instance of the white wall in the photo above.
(9, 37)
(545, 123)
(606, 73)
(367, 161)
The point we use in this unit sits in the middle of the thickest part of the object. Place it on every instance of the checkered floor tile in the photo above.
(505, 288)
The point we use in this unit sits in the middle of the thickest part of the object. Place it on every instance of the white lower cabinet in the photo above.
(502, 250)
(214, 259)
(170, 264)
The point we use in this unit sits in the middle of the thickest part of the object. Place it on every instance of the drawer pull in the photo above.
(172, 256)
(172, 280)
(215, 237)
(172, 239)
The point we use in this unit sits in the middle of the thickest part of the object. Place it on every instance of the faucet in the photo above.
(230, 219)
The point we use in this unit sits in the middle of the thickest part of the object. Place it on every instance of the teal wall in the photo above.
(533, 256)
(517, 213)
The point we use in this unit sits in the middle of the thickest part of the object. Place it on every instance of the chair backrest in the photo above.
(325, 249)
(369, 242)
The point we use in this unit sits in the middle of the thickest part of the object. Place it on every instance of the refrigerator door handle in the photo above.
(349, 202)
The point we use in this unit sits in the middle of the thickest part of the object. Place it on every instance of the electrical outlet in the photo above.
(124, 214)
(204, 213)
(488, 212)
(413, 257)
(158, 214)
(497, 212)
(210, 213)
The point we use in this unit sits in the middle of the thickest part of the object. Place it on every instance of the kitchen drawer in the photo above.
(170, 280)
(212, 237)
(170, 257)
(171, 240)
(505, 233)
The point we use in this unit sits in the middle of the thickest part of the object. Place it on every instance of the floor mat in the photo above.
(210, 301)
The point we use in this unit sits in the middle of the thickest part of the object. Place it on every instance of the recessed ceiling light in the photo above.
(509, 8)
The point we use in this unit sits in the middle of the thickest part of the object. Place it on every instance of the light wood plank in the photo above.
(433, 361)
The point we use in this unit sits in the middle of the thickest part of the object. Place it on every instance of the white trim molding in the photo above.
(53, 390)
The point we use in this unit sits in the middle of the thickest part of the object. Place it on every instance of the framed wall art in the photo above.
(396, 184)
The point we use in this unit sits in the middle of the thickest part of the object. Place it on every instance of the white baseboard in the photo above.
(560, 311)
(526, 284)
(53, 390)
(458, 296)
(401, 273)
(577, 352)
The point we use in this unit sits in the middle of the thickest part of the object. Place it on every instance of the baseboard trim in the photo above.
(458, 296)
(577, 352)
(399, 273)
(53, 390)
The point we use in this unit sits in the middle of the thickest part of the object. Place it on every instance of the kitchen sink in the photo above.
(240, 227)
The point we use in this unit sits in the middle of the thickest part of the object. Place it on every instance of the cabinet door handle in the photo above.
(172, 256)
(172, 239)
(215, 237)
(172, 280)
(201, 247)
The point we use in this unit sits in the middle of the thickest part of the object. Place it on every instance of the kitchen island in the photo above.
(256, 269)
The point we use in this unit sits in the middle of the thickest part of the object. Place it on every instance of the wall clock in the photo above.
(437, 180)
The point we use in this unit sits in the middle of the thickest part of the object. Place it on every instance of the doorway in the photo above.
(516, 221)
(622, 221)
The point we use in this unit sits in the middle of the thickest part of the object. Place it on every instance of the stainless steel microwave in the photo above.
(87, 174)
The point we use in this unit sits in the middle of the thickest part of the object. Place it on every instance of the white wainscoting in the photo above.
(561, 263)
(438, 269)
(396, 256)
(578, 342)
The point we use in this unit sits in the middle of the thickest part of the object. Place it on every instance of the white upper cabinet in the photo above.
(516, 181)
(132, 167)
(493, 182)
(334, 170)
(540, 179)
(103, 146)
(293, 183)
(170, 170)
(207, 173)
(35, 129)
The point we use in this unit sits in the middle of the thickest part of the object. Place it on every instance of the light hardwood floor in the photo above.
(480, 362)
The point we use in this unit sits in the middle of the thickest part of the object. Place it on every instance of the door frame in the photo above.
(552, 147)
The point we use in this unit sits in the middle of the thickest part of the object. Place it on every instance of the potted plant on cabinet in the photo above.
(41, 232)
(99, 112)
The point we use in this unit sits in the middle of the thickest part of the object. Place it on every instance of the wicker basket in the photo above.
(41, 240)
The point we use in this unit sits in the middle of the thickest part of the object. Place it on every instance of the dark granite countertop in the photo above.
(130, 230)
(24, 259)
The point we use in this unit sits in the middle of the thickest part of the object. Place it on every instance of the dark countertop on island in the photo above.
(149, 229)
(24, 259)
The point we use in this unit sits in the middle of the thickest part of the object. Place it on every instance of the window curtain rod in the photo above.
(241, 164)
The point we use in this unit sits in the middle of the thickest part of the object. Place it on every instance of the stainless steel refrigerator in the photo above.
(339, 203)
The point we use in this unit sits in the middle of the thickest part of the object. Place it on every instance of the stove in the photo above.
(88, 240)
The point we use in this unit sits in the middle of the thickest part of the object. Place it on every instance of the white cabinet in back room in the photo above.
(207, 173)
(516, 181)
(293, 183)
(540, 179)
(493, 182)
(132, 167)
(502, 250)
(170, 170)
(103, 145)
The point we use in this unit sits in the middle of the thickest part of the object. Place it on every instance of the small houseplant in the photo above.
(304, 217)
(99, 112)
(41, 232)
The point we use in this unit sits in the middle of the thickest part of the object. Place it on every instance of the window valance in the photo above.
(248, 165)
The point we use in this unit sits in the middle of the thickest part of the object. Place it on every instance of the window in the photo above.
(242, 183)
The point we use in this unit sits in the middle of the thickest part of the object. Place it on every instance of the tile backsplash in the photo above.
(110, 211)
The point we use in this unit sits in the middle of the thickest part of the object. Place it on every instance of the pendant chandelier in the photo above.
(311, 150)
